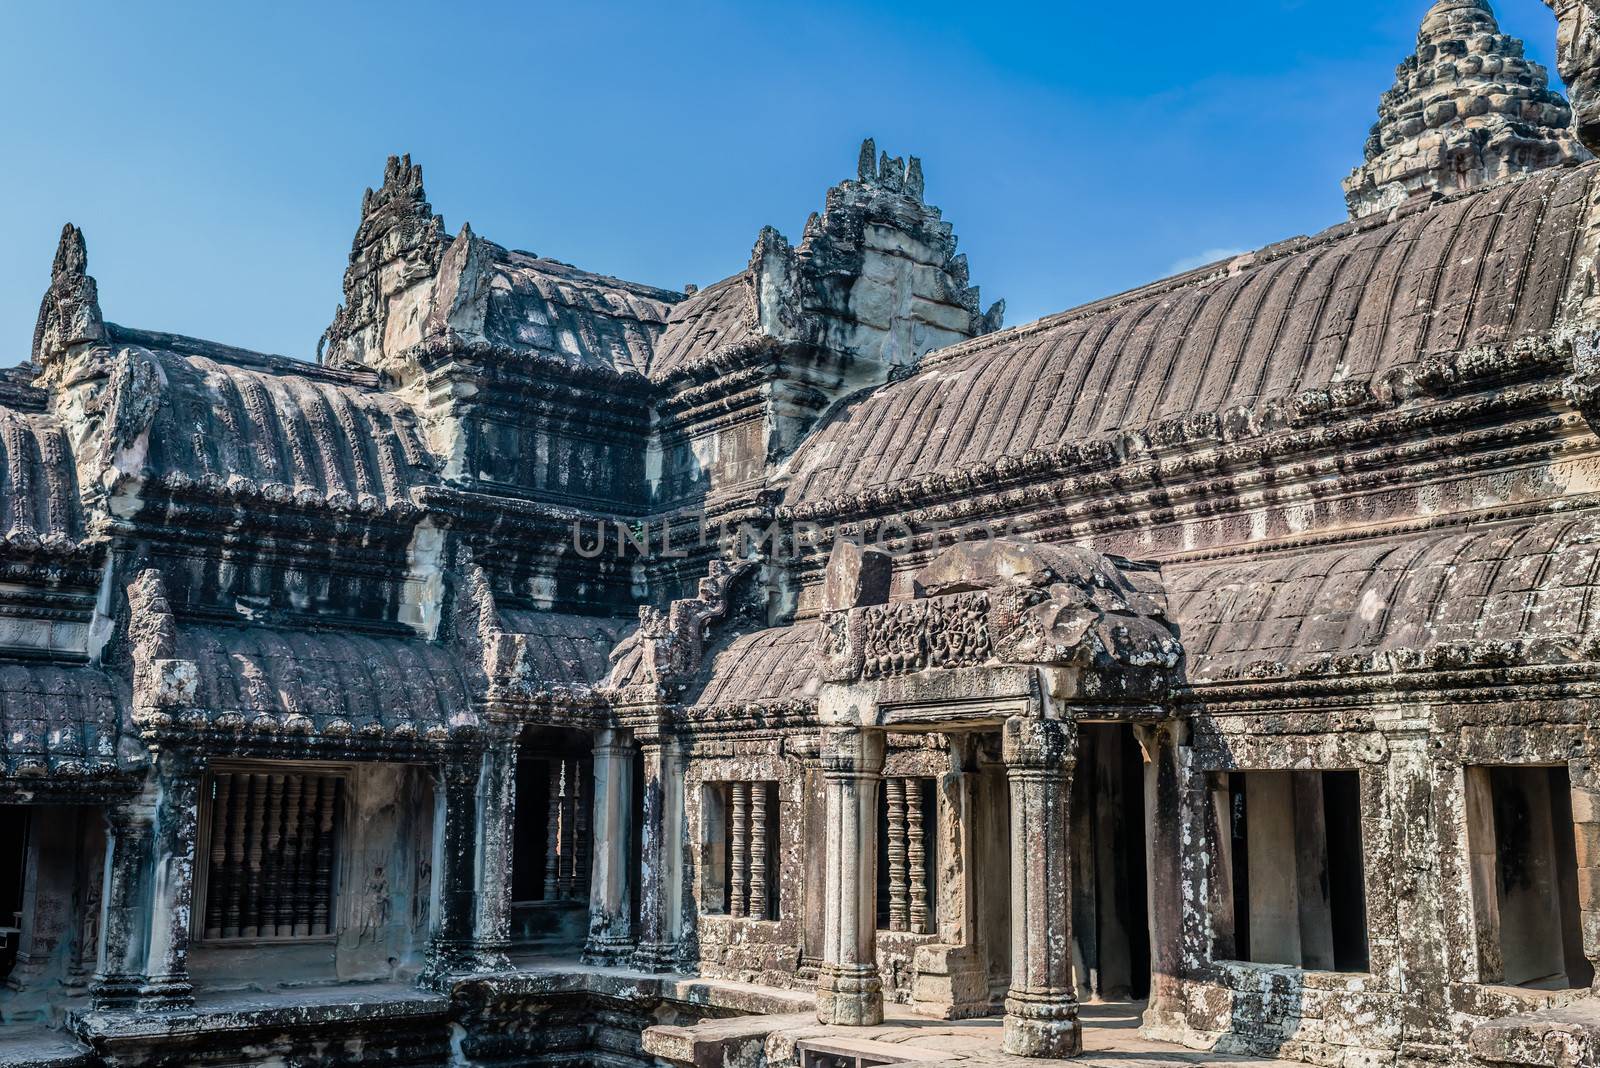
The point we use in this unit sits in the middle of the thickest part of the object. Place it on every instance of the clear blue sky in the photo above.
(215, 154)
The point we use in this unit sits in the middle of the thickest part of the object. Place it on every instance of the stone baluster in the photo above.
(293, 811)
(610, 895)
(895, 801)
(569, 830)
(916, 858)
(238, 832)
(249, 924)
(552, 850)
(306, 863)
(1041, 1006)
(758, 851)
(271, 852)
(739, 884)
(218, 890)
(322, 871)
(849, 988)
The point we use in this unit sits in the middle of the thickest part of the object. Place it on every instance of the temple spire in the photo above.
(1466, 109)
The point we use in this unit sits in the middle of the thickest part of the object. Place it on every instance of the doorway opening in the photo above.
(1525, 877)
(1110, 894)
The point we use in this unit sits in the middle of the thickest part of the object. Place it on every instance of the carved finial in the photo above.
(959, 269)
(72, 256)
(889, 171)
(398, 227)
(914, 178)
(866, 170)
(995, 318)
(69, 314)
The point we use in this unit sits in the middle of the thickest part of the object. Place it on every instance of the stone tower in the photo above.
(1468, 108)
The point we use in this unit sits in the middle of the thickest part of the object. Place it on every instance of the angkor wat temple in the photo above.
(809, 671)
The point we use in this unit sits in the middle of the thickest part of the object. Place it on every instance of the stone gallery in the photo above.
(807, 670)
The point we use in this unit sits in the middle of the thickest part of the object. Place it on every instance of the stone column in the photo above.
(610, 895)
(849, 989)
(1041, 1006)
(1585, 776)
(475, 801)
(1172, 927)
(661, 839)
(149, 891)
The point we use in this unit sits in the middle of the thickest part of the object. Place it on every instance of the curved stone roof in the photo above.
(1388, 601)
(39, 501)
(291, 430)
(772, 666)
(567, 651)
(1350, 306)
(58, 720)
(585, 320)
(704, 325)
(328, 682)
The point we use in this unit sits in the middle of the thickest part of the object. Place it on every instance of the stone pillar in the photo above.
(661, 839)
(1172, 927)
(474, 805)
(149, 891)
(610, 895)
(849, 989)
(1585, 776)
(1041, 1006)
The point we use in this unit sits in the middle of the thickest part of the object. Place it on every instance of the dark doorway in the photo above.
(1110, 899)
(13, 875)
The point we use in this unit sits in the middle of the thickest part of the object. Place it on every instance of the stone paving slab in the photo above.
(39, 1047)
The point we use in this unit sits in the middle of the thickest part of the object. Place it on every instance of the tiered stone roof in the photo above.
(1467, 109)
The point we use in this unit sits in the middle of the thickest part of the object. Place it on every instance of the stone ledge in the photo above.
(288, 1008)
(715, 1043)
(1565, 1037)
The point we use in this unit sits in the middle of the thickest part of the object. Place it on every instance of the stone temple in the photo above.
(809, 671)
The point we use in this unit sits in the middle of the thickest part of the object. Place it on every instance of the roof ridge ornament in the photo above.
(1467, 109)
(398, 246)
(69, 314)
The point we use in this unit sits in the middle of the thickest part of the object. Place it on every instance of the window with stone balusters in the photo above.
(907, 811)
(740, 849)
(270, 842)
(551, 855)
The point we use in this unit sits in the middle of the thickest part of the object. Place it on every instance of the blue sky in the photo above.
(215, 154)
